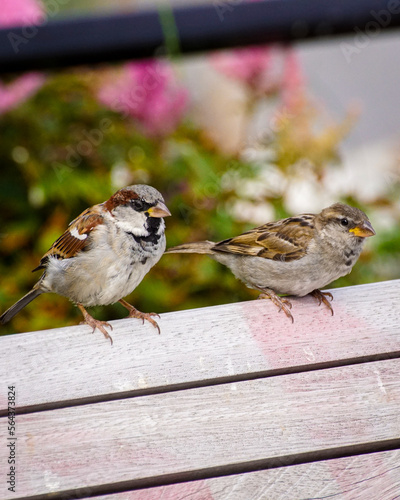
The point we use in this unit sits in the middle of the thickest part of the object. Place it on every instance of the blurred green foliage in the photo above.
(61, 151)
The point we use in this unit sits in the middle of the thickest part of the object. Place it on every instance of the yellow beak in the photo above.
(160, 210)
(363, 230)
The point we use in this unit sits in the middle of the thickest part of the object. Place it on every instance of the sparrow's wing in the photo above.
(284, 240)
(75, 238)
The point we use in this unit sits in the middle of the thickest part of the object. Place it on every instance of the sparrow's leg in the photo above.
(134, 313)
(322, 297)
(284, 304)
(95, 323)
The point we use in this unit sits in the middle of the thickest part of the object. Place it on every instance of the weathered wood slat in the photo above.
(361, 477)
(151, 436)
(200, 345)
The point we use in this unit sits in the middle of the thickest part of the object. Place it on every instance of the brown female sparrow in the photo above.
(294, 256)
(104, 254)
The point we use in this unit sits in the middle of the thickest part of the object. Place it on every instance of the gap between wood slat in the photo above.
(243, 377)
(219, 471)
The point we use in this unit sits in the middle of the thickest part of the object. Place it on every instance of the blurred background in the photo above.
(233, 139)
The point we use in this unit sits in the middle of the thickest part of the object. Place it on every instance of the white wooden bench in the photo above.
(229, 402)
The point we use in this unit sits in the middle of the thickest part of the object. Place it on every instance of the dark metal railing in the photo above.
(224, 23)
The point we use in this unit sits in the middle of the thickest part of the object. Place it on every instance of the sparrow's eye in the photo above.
(137, 204)
(344, 222)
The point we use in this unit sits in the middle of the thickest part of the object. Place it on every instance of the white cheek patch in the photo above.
(75, 233)
(129, 228)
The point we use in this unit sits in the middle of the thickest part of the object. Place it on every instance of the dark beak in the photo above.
(363, 230)
(160, 210)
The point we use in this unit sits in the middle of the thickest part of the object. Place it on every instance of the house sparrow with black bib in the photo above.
(294, 256)
(104, 255)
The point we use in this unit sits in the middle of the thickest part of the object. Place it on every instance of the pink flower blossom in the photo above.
(292, 80)
(263, 69)
(19, 13)
(148, 92)
(247, 65)
(19, 90)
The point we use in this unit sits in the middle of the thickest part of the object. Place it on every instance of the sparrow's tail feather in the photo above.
(201, 247)
(15, 309)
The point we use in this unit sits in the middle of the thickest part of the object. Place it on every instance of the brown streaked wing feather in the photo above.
(68, 245)
(284, 240)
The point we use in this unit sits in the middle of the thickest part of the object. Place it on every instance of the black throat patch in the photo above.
(152, 225)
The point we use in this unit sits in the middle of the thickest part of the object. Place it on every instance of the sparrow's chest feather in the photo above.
(340, 254)
(133, 257)
(326, 262)
(323, 263)
(111, 267)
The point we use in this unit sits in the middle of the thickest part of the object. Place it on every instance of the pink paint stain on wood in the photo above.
(315, 336)
(376, 465)
(135, 452)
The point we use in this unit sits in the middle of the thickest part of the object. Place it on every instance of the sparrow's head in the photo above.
(138, 209)
(342, 222)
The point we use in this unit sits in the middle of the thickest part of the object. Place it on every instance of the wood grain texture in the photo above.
(202, 344)
(207, 427)
(363, 477)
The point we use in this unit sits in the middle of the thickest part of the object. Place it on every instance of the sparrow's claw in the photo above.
(283, 304)
(286, 301)
(145, 316)
(95, 323)
(322, 298)
(134, 313)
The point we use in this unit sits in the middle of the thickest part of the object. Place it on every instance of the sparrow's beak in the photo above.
(363, 230)
(160, 210)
